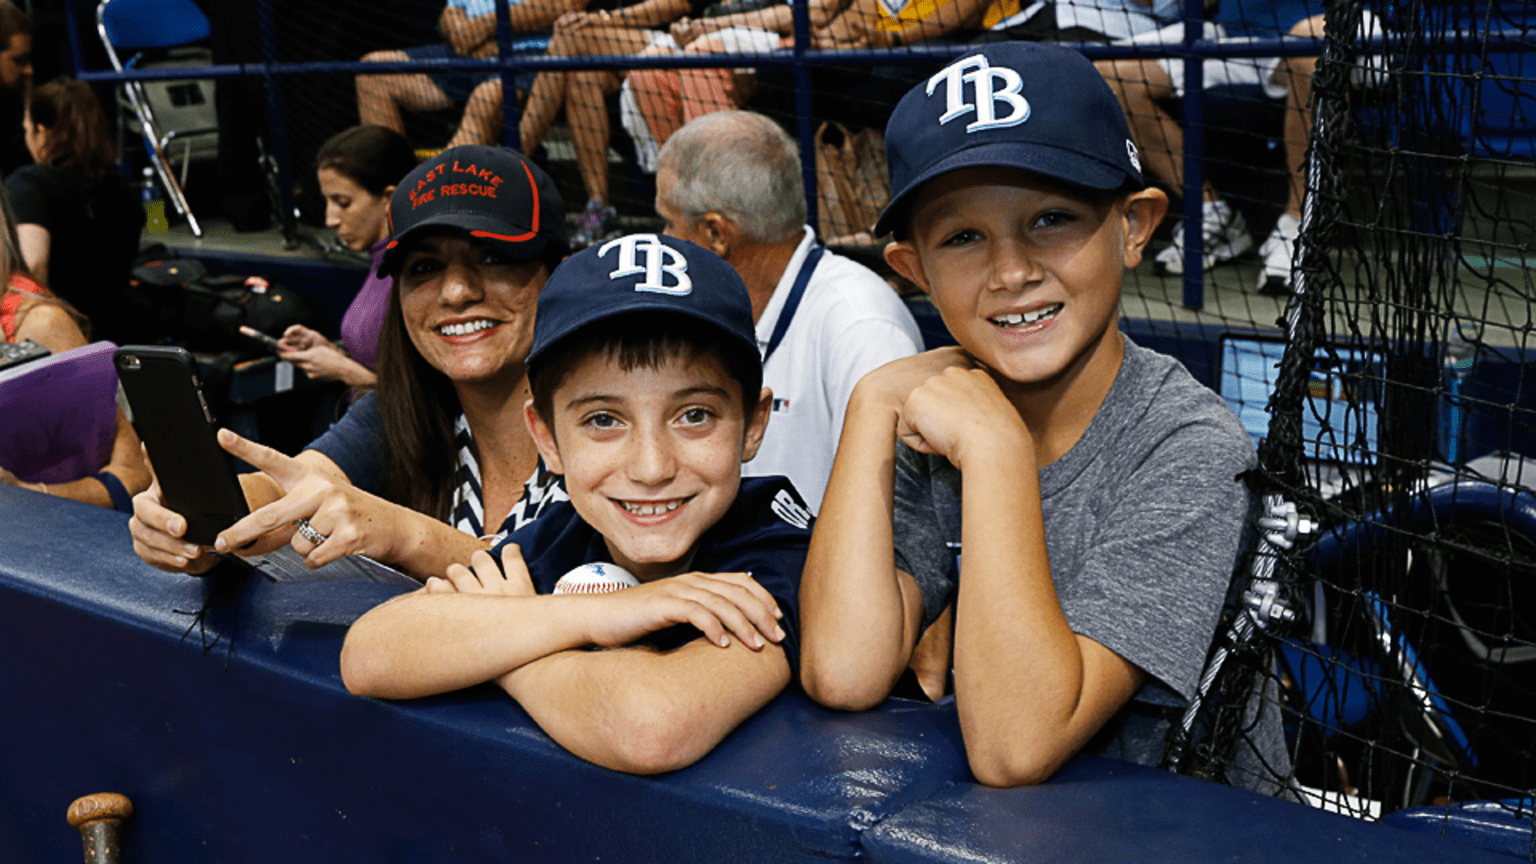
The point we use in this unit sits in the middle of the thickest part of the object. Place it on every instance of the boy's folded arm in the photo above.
(1010, 629)
(424, 643)
(860, 616)
(643, 711)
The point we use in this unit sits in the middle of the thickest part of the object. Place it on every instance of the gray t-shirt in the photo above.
(1143, 518)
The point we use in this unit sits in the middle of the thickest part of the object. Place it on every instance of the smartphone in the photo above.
(197, 477)
(253, 333)
(17, 353)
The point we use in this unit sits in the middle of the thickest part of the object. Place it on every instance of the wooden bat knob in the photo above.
(97, 818)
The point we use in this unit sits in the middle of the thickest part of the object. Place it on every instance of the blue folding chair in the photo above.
(140, 25)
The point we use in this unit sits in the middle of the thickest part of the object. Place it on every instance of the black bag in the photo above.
(205, 313)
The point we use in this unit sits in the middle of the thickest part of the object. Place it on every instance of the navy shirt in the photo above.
(358, 445)
(765, 532)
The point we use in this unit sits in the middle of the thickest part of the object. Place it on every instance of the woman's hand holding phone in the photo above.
(157, 535)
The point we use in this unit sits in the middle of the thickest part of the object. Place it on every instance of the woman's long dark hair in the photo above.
(77, 128)
(419, 407)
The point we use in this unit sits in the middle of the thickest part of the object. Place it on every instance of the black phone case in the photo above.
(197, 477)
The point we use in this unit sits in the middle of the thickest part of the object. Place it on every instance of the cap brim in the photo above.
(542, 343)
(1063, 166)
(519, 242)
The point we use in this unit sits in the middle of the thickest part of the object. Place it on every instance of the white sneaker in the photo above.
(1278, 253)
(1223, 234)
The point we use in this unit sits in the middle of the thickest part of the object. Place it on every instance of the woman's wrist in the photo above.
(355, 374)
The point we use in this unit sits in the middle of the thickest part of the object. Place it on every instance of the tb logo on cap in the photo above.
(661, 261)
(985, 79)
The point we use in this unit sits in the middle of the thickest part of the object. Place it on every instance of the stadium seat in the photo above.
(166, 111)
(58, 415)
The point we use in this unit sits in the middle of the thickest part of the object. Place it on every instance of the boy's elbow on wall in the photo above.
(839, 692)
(361, 671)
(1003, 768)
(655, 740)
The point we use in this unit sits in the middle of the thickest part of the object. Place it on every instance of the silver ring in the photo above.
(308, 532)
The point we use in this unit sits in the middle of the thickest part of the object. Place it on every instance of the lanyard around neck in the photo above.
(792, 302)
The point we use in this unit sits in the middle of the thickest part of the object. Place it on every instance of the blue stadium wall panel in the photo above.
(1098, 809)
(247, 748)
(258, 753)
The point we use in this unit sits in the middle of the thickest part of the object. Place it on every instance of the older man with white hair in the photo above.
(731, 183)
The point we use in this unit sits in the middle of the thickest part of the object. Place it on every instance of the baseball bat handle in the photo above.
(98, 818)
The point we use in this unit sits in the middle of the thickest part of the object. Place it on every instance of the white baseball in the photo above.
(595, 578)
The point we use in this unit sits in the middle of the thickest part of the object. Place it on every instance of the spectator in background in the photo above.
(77, 221)
(666, 99)
(358, 170)
(15, 79)
(731, 183)
(1142, 84)
(629, 29)
(469, 30)
(29, 311)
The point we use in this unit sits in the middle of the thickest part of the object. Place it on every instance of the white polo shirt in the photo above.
(849, 322)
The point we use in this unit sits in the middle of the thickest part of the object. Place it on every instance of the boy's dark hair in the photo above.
(642, 340)
(373, 157)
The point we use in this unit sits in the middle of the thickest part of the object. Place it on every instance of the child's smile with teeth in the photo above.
(652, 508)
(1026, 318)
(651, 455)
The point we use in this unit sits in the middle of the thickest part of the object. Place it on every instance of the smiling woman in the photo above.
(436, 463)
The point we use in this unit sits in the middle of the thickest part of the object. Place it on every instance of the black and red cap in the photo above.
(493, 194)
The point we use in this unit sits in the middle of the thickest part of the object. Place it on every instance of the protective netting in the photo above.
(1389, 595)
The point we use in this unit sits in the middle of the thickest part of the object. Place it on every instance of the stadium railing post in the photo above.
(1194, 151)
(509, 115)
(805, 126)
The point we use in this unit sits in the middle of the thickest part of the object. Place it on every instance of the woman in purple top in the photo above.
(358, 170)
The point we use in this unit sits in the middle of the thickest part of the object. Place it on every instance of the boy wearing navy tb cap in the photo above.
(646, 384)
(1059, 500)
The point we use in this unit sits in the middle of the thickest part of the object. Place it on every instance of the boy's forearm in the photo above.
(423, 644)
(643, 711)
(858, 623)
(1028, 693)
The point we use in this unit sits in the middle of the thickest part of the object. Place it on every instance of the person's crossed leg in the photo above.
(1142, 84)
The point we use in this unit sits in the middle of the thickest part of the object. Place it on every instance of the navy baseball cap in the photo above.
(1030, 105)
(491, 193)
(644, 273)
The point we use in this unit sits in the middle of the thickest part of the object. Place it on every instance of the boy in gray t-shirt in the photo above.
(1099, 514)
